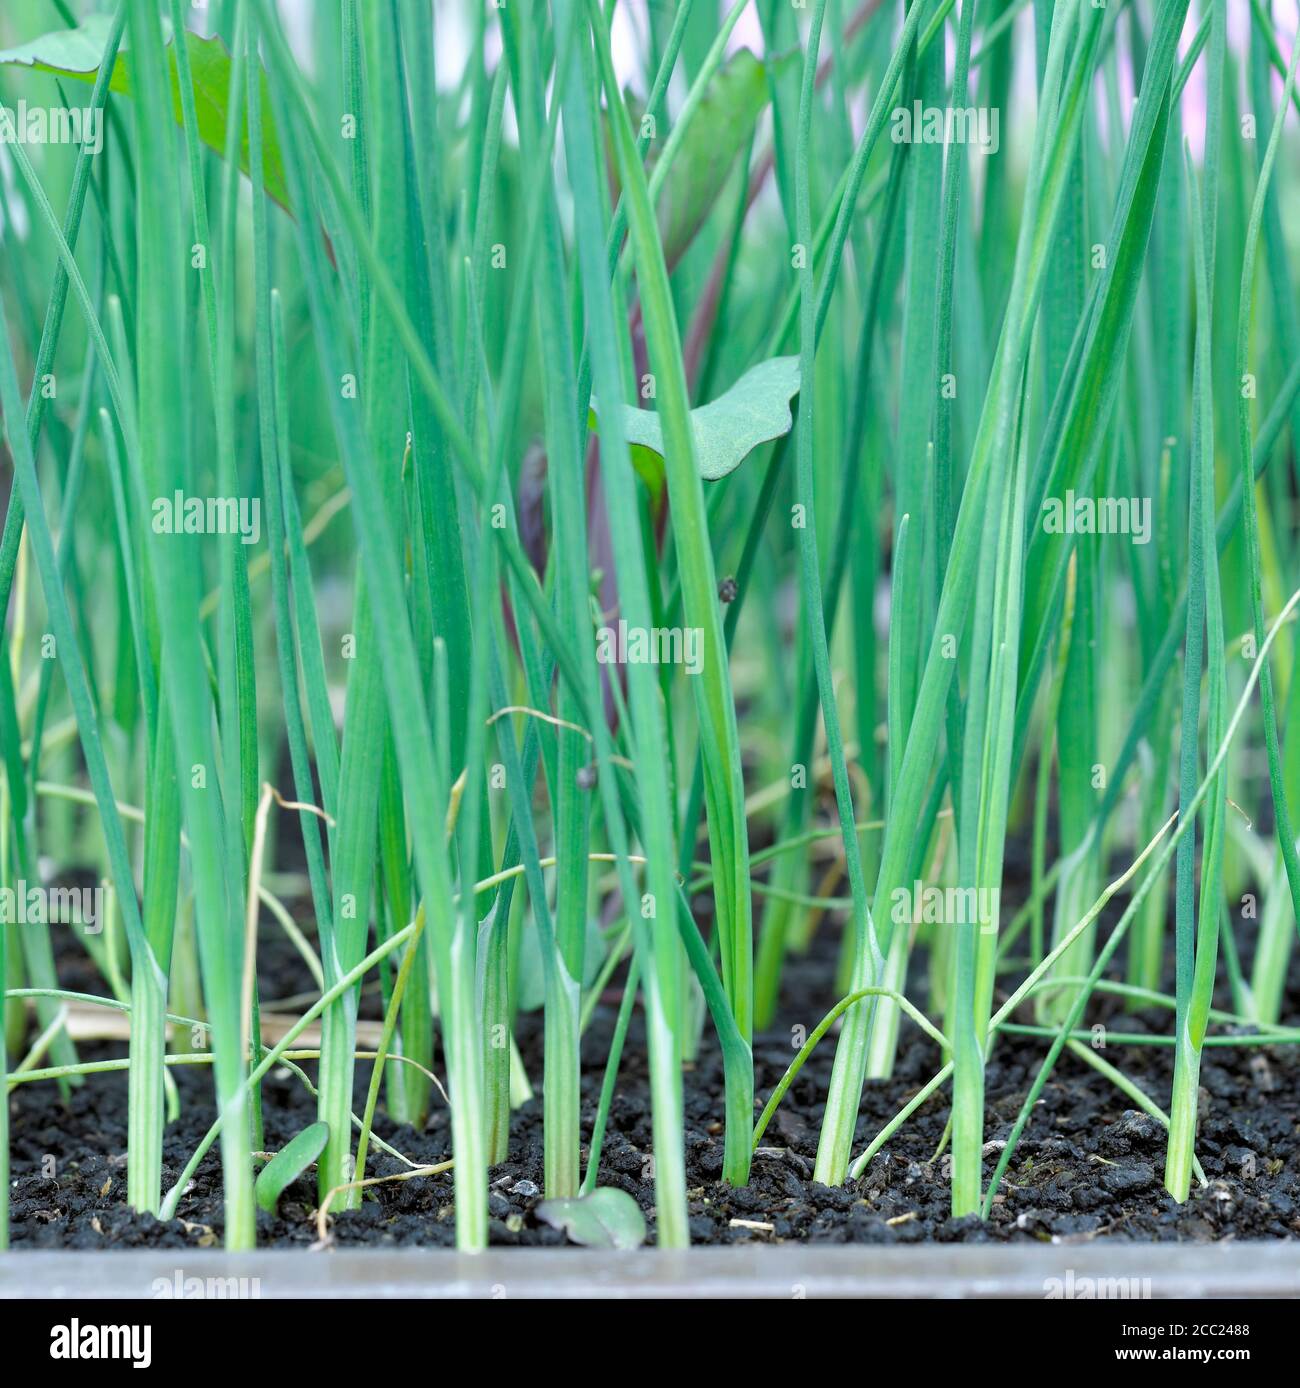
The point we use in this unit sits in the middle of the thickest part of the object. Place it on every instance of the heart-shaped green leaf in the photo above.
(754, 411)
(76, 53)
(288, 1164)
(607, 1218)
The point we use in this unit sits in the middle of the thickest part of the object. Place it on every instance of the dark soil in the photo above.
(1088, 1166)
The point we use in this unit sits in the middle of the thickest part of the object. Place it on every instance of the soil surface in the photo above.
(1088, 1166)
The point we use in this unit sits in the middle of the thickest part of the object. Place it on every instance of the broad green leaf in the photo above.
(754, 411)
(719, 132)
(75, 53)
(288, 1164)
(607, 1218)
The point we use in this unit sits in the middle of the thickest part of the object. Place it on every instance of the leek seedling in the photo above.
(724, 787)
(164, 464)
(563, 969)
(1197, 960)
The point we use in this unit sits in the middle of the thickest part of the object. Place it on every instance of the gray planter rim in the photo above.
(1068, 1271)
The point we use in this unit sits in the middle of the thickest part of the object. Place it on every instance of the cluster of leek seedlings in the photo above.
(515, 460)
